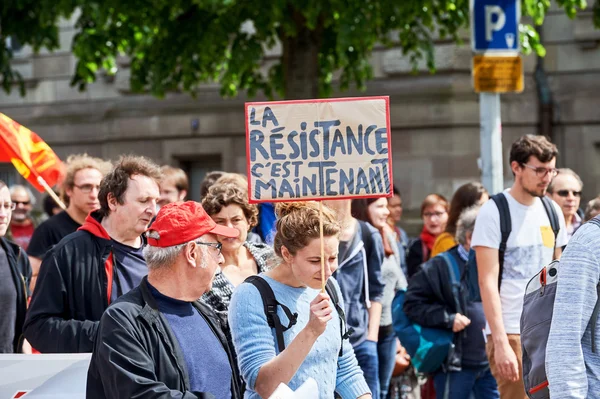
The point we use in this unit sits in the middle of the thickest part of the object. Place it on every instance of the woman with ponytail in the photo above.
(313, 344)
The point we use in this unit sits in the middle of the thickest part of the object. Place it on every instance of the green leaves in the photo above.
(178, 45)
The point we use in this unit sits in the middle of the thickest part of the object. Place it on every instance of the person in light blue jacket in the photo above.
(313, 343)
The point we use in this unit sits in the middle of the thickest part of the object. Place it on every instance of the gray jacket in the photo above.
(573, 370)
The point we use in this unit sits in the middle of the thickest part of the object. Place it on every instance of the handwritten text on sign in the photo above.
(318, 149)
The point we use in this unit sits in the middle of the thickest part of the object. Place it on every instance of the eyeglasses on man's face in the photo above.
(216, 245)
(542, 172)
(87, 188)
(429, 215)
(565, 193)
(8, 206)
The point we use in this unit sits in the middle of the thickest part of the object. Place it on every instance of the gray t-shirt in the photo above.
(394, 280)
(8, 304)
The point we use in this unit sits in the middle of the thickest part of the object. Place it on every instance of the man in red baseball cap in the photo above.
(158, 339)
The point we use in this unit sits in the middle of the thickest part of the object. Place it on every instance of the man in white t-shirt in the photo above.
(530, 246)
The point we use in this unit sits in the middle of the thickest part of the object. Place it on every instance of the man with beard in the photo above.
(81, 186)
(531, 245)
(89, 269)
(22, 224)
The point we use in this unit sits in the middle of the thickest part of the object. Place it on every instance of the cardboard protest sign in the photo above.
(318, 149)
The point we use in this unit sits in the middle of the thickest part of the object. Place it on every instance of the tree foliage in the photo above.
(181, 44)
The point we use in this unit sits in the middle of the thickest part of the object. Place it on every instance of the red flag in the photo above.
(30, 155)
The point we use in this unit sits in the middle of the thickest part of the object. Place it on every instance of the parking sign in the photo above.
(495, 25)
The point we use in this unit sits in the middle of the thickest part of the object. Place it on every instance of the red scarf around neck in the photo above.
(427, 238)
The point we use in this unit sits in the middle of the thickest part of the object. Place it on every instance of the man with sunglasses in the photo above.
(89, 269)
(22, 224)
(531, 245)
(159, 339)
(565, 190)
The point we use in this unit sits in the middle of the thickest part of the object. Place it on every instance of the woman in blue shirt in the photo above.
(312, 344)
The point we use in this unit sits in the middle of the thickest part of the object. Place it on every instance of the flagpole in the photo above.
(51, 192)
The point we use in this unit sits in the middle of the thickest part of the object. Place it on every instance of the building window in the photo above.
(8, 174)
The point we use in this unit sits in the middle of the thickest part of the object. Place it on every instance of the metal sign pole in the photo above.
(490, 136)
(497, 68)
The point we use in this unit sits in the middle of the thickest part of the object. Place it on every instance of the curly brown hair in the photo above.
(117, 180)
(222, 195)
(298, 222)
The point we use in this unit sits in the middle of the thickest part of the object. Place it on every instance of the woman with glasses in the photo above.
(434, 212)
(314, 345)
(227, 204)
(15, 275)
(466, 196)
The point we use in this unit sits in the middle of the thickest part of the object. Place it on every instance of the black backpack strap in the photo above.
(270, 304)
(594, 319)
(552, 215)
(596, 311)
(345, 332)
(505, 228)
(366, 236)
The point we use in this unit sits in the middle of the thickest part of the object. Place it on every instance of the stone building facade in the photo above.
(434, 117)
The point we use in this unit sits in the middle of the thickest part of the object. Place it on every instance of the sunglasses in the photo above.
(565, 193)
(21, 202)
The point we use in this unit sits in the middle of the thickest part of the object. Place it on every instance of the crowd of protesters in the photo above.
(172, 297)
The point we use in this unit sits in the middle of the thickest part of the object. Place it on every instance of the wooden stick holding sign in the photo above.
(318, 149)
(323, 282)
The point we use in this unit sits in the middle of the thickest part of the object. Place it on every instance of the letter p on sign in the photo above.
(490, 25)
(495, 25)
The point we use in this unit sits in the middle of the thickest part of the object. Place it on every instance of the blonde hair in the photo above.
(77, 162)
(177, 175)
(298, 222)
(433, 200)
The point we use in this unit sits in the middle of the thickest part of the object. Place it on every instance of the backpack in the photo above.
(270, 304)
(472, 276)
(538, 307)
(427, 347)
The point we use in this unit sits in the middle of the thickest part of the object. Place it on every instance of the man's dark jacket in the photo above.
(430, 302)
(20, 270)
(137, 354)
(72, 291)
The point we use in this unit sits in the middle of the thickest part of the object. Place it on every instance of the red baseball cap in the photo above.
(180, 222)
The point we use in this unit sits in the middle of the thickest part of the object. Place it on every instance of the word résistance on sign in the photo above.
(498, 74)
(318, 149)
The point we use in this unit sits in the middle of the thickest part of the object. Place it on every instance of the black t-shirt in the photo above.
(49, 233)
(130, 268)
(8, 303)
